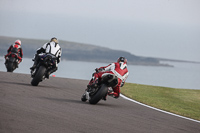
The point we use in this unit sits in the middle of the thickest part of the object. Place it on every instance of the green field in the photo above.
(184, 102)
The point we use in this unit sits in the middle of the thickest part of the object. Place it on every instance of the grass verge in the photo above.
(184, 102)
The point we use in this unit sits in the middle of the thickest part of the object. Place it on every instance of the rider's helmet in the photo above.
(54, 39)
(18, 42)
(122, 59)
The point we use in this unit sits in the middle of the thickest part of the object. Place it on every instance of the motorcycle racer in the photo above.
(52, 47)
(15, 48)
(119, 69)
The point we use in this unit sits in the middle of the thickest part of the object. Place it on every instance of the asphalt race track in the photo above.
(55, 107)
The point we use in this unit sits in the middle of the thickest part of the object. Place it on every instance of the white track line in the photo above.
(158, 109)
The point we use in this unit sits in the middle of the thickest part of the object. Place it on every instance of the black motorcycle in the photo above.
(95, 94)
(45, 62)
(11, 62)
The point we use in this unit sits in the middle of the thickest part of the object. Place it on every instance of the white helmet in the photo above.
(18, 42)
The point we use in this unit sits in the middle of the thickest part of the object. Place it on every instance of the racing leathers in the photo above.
(118, 69)
(17, 50)
(51, 48)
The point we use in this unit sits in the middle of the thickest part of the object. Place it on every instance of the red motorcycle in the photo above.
(95, 94)
(12, 62)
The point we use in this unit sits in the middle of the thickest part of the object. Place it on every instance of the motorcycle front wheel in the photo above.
(38, 76)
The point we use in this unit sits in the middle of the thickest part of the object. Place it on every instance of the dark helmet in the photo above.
(54, 39)
(122, 59)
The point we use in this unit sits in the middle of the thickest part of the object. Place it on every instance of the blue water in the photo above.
(183, 75)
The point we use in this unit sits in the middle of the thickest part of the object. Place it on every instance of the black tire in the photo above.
(98, 96)
(10, 67)
(38, 76)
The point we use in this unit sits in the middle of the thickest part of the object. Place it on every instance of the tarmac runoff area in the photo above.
(55, 106)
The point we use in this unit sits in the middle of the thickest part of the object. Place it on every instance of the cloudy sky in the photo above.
(155, 28)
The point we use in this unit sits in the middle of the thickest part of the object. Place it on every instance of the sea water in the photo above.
(182, 75)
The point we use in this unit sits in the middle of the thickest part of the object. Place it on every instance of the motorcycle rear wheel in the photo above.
(99, 94)
(38, 76)
(10, 67)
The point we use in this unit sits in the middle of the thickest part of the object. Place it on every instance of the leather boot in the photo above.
(35, 62)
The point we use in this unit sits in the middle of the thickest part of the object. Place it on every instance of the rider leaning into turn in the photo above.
(119, 69)
(15, 48)
(52, 48)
